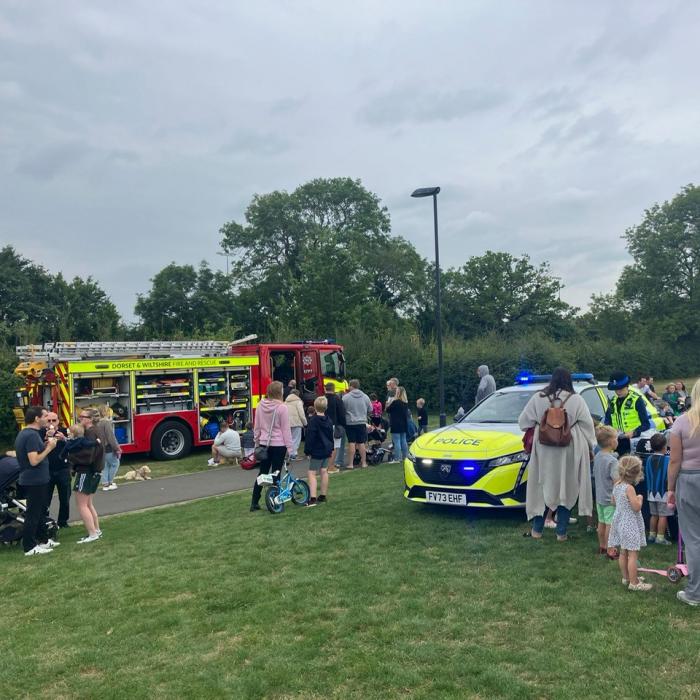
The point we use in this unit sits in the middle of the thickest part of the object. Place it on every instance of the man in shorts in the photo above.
(357, 409)
(227, 444)
(319, 447)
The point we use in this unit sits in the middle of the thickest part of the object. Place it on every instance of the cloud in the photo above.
(10, 91)
(411, 105)
(251, 142)
(48, 162)
(287, 105)
(147, 126)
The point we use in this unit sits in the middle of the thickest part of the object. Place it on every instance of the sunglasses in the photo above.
(84, 416)
(52, 420)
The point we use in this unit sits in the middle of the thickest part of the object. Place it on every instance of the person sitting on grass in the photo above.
(605, 475)
(227, 444)
(319, 447)
(656, 482)
(627, 530)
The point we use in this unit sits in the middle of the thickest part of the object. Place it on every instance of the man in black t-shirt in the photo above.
(32, 455)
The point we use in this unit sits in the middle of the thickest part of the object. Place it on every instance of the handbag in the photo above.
(555, 430)
(261, 451)
(248, 462)
(528, 437)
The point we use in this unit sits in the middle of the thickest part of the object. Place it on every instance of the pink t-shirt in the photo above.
(691, 445)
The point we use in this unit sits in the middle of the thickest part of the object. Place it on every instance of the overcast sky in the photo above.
(131, 131)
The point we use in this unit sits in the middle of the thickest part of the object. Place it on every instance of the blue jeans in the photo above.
(563, 515)
(111, 467)
(340, 452)
(400, 446)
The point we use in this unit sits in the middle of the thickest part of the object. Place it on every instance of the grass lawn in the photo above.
(367, 596)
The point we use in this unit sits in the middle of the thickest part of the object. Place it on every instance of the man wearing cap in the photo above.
(627, 412)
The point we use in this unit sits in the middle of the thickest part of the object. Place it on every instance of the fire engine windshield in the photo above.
(333, 364)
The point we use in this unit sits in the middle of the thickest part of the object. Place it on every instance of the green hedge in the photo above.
(373, 357)
(375, 353)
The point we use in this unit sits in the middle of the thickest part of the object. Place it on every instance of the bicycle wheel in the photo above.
(270, 495)
(300, 493)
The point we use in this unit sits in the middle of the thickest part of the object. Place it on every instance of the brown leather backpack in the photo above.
(555, 430)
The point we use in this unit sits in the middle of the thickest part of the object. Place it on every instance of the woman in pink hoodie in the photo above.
(271, 429)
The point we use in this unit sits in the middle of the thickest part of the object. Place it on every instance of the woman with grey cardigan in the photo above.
(558, 476)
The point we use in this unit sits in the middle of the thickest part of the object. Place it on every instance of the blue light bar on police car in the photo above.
(527, 378)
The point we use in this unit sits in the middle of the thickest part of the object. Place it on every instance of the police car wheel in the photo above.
(171, 440)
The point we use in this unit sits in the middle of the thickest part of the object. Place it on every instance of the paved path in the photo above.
(137, 495)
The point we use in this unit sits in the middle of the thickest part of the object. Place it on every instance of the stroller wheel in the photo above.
(273, 505)
(674, 574)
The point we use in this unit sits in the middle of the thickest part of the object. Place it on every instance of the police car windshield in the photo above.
(501, 407)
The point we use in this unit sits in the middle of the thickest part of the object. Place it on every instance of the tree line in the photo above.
(322, 261)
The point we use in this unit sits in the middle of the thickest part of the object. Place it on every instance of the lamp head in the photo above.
(425, 192)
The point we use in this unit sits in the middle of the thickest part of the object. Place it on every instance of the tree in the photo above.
(36, 306)
(662, 286)
(498, 292)
(311, 259)
(185, 302)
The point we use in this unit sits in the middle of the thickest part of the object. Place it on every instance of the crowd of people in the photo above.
(572, 463)
(338, 428)
(626, 466)
(49, 455)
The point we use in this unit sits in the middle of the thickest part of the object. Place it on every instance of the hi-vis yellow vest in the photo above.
(623, 412)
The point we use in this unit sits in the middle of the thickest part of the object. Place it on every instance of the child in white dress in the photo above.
(627, 530)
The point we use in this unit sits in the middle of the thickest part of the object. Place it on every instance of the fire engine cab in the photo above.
(166, 396)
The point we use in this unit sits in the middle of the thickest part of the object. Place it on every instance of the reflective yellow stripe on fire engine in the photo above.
(65, 392)
(82, 366)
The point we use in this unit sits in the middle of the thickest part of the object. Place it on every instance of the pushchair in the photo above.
(12, 507)
(376, 452)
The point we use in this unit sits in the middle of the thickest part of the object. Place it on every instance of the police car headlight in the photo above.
(411, 457)
(508, 459)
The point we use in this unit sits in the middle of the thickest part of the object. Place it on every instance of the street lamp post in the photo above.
(433, 192)
(227, 255)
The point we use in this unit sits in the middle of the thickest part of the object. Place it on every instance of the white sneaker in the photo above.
(50, 543)
(105, 488)
(112, 487)
(89, 538)
(98, 533)
(37, 550)
(212, 462)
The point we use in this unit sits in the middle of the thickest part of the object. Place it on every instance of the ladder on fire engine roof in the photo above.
(115, 349)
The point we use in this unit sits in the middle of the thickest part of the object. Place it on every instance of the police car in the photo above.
(479, 461)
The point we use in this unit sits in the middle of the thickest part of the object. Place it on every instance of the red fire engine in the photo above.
(166, 396)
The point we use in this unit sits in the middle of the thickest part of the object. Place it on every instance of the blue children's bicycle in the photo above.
(289, 488)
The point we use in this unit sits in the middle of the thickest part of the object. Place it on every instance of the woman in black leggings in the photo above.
(271, 430)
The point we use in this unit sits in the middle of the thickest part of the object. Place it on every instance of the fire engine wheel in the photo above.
(171, 440)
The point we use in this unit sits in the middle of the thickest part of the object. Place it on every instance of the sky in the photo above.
(130, 132)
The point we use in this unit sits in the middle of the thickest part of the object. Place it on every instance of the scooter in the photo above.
(675, 572)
